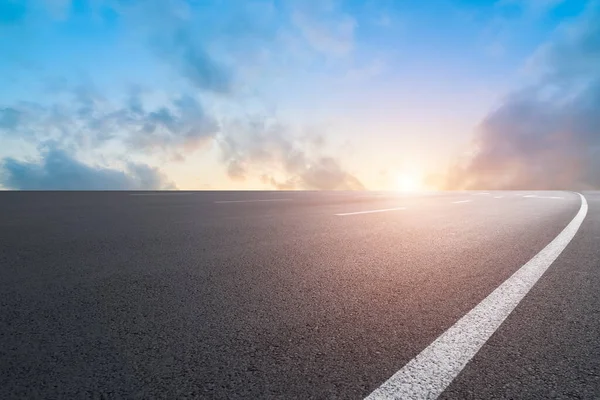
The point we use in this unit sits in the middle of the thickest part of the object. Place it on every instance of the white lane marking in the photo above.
(535, 196)
(461, 201)
(371, 211)
(372, 195)
(428, 374)
(249, 201)
(161, 194)
(498, 197)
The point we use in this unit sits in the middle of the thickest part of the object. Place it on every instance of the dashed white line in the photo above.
(498, 197)
(371, 211)
(535, 196)
(461, 201)
(249, 201)
(371, 196)
(428, 374)
(162, 194)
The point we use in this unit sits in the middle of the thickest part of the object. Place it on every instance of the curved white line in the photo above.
(428, 374)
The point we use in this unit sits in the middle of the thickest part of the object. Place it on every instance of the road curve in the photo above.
(287, 294)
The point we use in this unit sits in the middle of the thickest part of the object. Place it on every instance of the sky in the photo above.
(299, 94)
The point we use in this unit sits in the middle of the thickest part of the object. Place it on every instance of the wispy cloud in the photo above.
(507, 19)
(326, 29)
(195, 63)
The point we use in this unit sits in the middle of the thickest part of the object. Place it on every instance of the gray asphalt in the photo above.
(179, 295)
(549, 348)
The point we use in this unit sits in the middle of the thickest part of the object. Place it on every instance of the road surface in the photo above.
(298, 295)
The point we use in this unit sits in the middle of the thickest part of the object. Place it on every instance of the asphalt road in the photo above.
(288, 295)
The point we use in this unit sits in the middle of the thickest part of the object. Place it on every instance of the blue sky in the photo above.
(296, 94)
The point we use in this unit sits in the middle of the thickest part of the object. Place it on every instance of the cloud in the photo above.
(217, 52)
(172, 30)
(235, 170)
(265, 148)
(9, 118)
(82, 119)
(184, 126)
(58, 170)
(83, 116)
(324, 27)
(190, 38)
(194, 62)
(547, 135)
(508, 21)
(208, 43)
(325, 173)
(60, 8)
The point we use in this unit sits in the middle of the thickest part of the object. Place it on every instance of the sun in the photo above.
(409, 182)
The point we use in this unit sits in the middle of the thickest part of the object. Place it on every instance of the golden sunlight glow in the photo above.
(409, 182)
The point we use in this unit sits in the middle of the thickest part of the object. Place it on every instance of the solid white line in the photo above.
(461, 201)
(249, 201)
(428, 374)
(370, 211)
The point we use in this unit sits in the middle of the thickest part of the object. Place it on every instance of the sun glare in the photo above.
(409, 182)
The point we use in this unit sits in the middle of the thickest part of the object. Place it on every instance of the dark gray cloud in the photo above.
(546, 136)
(58, 170)
(270, 150)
